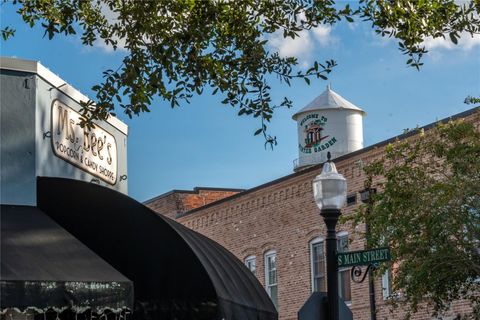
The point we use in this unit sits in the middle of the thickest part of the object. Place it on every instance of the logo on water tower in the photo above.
(314, 137)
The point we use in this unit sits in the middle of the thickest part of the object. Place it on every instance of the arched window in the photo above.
(251, 263)
(271, 276)
(317, 264)
(344, 289)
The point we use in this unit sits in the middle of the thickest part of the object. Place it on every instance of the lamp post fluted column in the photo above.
(330, 216)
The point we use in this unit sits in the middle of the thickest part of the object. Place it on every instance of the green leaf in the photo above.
(223, 45)
(453, 37)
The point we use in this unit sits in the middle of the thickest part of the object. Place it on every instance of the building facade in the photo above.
(72, 241)
(40, 136)
(276, 230)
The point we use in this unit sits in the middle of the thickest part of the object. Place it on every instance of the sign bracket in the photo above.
(356, 272)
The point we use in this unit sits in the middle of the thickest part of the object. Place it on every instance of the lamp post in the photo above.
(330, 192)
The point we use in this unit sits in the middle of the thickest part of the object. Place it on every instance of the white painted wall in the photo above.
(26, 144)
(50, 165)
(17, 138)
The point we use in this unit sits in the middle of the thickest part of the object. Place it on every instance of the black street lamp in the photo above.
(330, 192)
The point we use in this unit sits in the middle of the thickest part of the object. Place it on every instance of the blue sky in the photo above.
(204, 143)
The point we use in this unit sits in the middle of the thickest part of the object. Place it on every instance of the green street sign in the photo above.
(363, 257)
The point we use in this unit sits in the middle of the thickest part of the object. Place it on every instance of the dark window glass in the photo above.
(344, 274)
(318, 266)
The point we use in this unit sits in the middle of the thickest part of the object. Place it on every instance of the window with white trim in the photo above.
(317, 264)
(271, 276)
(344, 288)
(387, 284)
(387, 276)
(251, 263)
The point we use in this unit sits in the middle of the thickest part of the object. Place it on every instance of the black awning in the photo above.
(43, 267)
(177, 272)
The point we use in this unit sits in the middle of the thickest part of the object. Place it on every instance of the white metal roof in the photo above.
(329, 99)
(57, 82)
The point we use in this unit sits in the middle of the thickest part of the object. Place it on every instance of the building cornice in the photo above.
(195, 190)
(35, 67)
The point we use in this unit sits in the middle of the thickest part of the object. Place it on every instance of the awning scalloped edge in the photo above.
(75, 309)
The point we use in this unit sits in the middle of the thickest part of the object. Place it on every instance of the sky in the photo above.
(206, 144)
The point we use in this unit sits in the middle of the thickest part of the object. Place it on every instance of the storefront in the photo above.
(74, 243)
(47, 271)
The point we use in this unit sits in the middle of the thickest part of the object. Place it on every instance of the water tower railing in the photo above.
(296, 163)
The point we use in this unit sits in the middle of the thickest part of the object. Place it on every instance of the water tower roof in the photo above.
(329, 99)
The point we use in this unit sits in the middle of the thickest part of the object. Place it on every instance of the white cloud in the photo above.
(108, 48)
(466, 42)
(112, 17)
(288, 47)
(302, 47)
(323, 34)
(436, 47)
(432, 44)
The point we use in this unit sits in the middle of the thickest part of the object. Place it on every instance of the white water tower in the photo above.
(329, 123)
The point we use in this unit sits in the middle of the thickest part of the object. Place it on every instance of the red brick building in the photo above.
(276, 229)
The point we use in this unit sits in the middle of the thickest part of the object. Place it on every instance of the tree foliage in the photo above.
(427, 210)
(176, 49)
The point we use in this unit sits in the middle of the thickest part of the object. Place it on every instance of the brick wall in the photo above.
(176, 202)
(282, 216)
